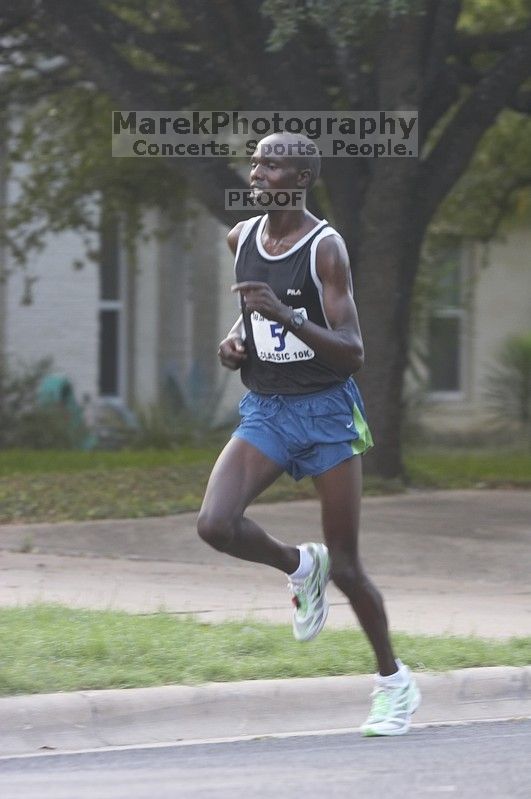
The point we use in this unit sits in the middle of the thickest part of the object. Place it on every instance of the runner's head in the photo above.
(295, 150)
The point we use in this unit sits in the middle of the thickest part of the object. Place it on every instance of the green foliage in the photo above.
(22, 422)
(41, 428)
(455, 467)
(482, 16)
(39, 462)
(493, 195)
(64, 139)
(18, 389)
(119, 493)
(162, 427)
(344, 20)
(52, 648)
(63, 147)
(149, 15)
(508, 385)
(491, 198)
(51, 486)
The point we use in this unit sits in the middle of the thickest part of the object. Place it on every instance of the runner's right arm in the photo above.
(231, 350)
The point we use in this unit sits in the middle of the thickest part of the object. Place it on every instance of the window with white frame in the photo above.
(111, 313)
(446, 329)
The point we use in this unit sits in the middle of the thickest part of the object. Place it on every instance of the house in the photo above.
(483, 296)
(132, 329)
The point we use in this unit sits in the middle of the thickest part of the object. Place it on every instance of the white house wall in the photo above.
(195, 262)
(146, 301)
(502, 299)
(229, 312)
(196, 310)
(62, 320)
(500, 306)
(3, 253)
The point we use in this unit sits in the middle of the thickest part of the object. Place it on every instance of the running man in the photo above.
(297, 344)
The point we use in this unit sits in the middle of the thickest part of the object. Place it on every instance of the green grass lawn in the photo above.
(48, 648)
(466, 468)
(59, 486)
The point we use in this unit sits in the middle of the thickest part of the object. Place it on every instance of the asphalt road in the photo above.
(468, 762)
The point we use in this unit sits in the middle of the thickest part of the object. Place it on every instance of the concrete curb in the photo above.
(95, 719)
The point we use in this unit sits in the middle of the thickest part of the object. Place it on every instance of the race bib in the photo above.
(273, 344)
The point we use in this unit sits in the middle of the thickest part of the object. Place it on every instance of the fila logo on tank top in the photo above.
(278, 362)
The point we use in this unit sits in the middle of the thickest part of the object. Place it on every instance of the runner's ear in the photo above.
(304, 178)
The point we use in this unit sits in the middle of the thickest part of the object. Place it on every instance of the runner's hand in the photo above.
(231, 352)
(260, 297)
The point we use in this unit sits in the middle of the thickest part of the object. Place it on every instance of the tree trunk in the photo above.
(3, 269)
(389, 241)
(384, 274)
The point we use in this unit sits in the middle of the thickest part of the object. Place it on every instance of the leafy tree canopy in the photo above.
(61, 134)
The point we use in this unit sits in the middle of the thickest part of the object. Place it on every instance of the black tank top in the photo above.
(278, 362)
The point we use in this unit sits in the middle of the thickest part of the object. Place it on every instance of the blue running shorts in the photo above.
(306, 434)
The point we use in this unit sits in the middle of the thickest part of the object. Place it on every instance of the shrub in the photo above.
(508, 384)
(23, 422)
(162, 427)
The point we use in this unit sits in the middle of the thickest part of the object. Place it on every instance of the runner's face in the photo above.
(272, 172)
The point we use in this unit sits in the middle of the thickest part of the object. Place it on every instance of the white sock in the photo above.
(397, 680)
(305, 566)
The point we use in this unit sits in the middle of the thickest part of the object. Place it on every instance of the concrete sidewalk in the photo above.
(447, 562)
(454, 562)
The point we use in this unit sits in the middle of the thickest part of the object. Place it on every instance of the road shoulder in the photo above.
(144, 716)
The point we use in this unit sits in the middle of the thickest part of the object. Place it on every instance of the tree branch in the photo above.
(14, 18)
(451, 155)
(522, 102)
(82, 43)
(440, 34)
(73, 35)
(503, 205)
(446, 91)
(467, 45)
(442, 83)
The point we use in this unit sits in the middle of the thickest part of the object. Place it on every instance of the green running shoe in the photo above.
(392, 709)
(309, 595)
